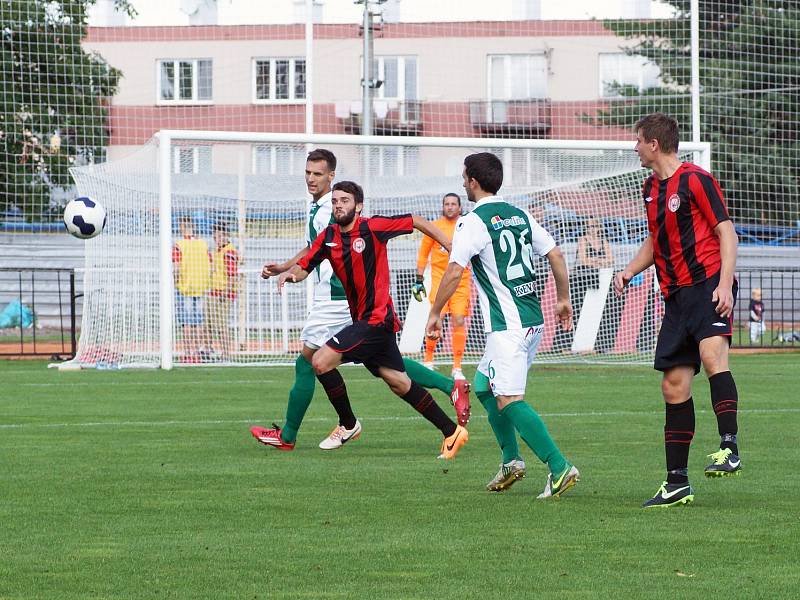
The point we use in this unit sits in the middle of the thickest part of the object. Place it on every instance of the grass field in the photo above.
(148, 485)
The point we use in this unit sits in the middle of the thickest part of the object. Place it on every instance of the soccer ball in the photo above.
(84, 218)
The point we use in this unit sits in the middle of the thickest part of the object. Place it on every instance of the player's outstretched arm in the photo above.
(642, 260)
(561, 276)
(293, 275)
(273, 269)
(422, 224)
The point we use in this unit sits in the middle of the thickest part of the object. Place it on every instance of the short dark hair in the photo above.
(186, 220)
(350, 187)
(661, 127)
(322, 154)
(486, 169)
(452, 195)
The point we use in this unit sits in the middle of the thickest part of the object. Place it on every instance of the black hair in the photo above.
(322, 154)
(486, 169)
(350, 187)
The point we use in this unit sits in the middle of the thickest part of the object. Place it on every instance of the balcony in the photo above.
(388, 117)
(512, 118)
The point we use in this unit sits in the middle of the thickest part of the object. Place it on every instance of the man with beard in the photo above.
(356, 248)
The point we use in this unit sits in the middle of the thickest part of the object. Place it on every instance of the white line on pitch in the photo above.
(618, 413)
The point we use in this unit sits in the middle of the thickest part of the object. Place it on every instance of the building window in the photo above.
(394, 161)
(279, 79)
(399, 77)
(622, 70)
(517, 76)
(191, 159)
(184, 81)
(278, 160)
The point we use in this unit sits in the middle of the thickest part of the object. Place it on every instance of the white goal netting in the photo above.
(236, 205)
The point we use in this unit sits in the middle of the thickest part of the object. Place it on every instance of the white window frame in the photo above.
(272, 80)
(380, 93)
(297, 158)
(176, 158)
(507, 78)
(640, 84)
(176, 66)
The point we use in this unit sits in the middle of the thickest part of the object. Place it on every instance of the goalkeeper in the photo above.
(458, 305)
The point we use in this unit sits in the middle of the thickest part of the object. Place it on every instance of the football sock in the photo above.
(422, 401)
(533, 432)
(299, 398)
(678, 434)
(725, 400)
(428, 378)
(502, 428)
(337, 394)
(430, 346)
(459, 342)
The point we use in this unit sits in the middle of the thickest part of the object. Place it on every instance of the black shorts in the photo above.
(373, 345)
(689, 317)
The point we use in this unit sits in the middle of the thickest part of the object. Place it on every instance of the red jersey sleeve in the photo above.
(316, 253)
(385, 228)
(708, 198)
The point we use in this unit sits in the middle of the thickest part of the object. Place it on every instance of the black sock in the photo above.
(337, 394)
(422, 401)
(725, 400)
(678, 434)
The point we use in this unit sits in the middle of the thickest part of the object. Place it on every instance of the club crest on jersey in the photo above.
(498, 223)
(358, 245)
(674, 203)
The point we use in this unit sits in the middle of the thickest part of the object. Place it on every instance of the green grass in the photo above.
(148, 485)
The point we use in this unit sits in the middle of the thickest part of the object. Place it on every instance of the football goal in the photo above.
(194, 215)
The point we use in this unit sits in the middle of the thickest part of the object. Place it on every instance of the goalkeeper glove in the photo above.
(418, 289)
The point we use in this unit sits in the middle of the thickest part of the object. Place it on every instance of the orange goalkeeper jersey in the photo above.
(439, 257)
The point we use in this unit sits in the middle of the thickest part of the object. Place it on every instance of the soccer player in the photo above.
(356, 248)
(499, 241)
(329, 314)
(693, 244)
(458, 305)
(190, 260)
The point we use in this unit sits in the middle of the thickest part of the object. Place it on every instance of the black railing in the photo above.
(37, 312)
(780, 293)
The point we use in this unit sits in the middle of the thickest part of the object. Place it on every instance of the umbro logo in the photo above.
(719, 324)
(331, 244)
(335, 339)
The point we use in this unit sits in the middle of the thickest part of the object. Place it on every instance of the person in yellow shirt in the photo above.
(224, 286)
(190, 261)
(458, 305)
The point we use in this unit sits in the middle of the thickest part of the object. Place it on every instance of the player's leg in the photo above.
(458, 307)
(430, 343)
(456, 389)
(512, 467)
(678, 358)
(324, 362)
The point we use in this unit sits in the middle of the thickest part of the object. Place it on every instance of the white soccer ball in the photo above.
(84, 218)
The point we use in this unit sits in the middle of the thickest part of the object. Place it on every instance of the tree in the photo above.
(750, 96)
(53, 99)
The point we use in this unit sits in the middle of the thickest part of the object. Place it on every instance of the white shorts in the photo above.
(325, 320)
(507, 358)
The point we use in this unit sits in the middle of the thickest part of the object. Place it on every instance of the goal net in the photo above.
(193, 217)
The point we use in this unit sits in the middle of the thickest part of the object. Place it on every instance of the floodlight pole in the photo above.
(695, 63)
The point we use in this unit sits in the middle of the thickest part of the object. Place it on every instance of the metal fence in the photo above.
(37, 312)
(780, 293)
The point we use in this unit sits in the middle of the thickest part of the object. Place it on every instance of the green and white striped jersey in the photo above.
(499, 240)
(326, 285)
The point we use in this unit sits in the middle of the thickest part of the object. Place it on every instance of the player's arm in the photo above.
(293, 275)
(561, 276)
(728, 245)
(272, 269)
(641, 261)
(307, 263)
(422, 224)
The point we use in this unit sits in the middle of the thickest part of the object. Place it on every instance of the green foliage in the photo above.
(750, 96)
(53, 99)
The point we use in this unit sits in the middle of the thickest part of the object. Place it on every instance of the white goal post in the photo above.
(254, 183)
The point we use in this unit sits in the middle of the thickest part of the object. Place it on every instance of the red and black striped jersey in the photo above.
(682, 212)
(359, 259)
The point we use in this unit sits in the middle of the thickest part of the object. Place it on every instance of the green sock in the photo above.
(428, 378)
(503, 428)
(299, 398)
(534, 433)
